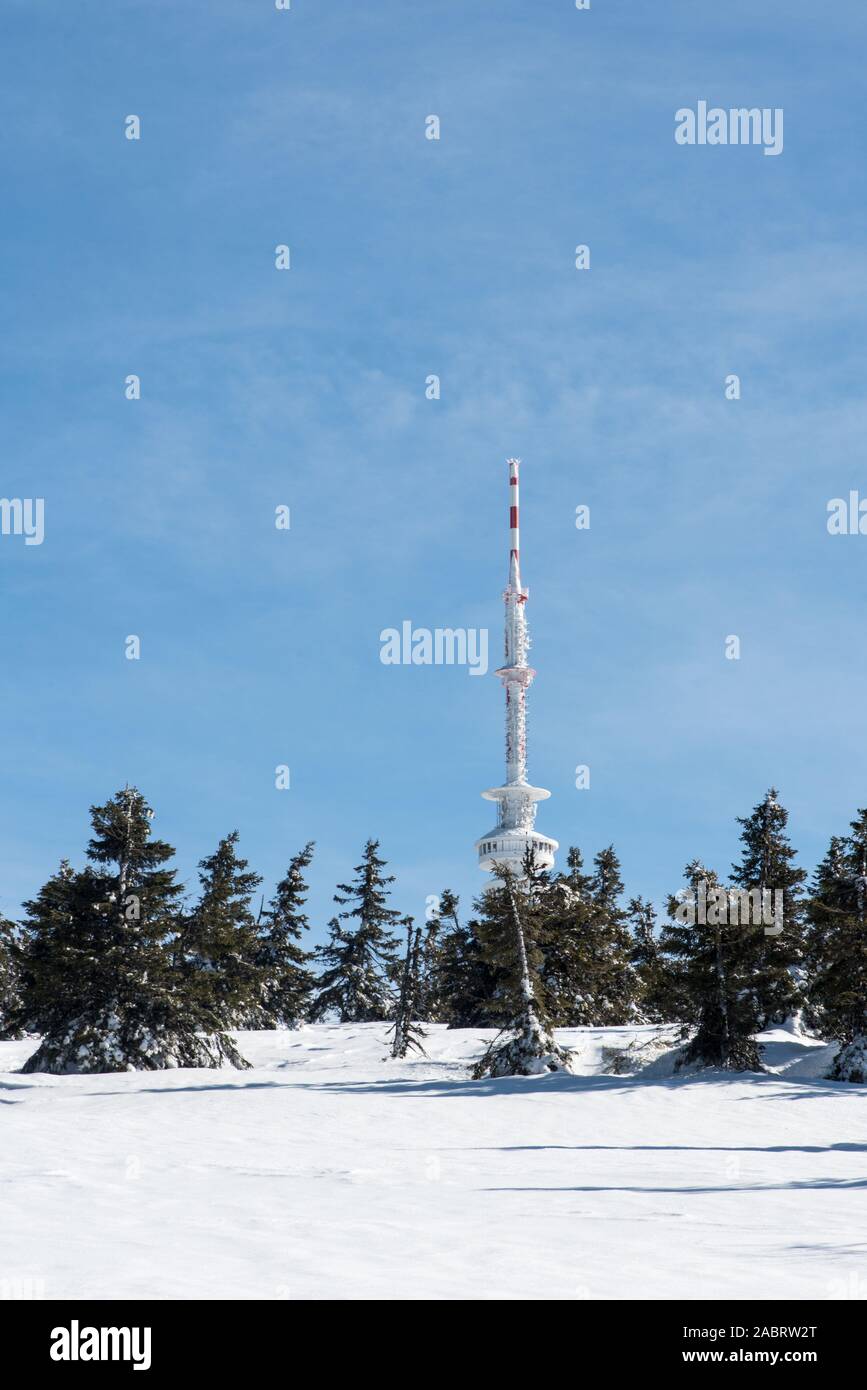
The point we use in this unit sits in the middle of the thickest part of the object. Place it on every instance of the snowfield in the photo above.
(327, 1172)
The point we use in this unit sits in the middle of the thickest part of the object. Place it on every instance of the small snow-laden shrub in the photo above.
(850, 1063)
(528, 1049)
(639, 1053)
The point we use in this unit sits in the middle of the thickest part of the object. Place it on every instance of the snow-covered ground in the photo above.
(328, 1172)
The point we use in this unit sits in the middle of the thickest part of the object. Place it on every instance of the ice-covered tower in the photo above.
(508, 843)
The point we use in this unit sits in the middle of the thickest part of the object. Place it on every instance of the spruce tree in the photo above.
(97, 969)
(219, 947)
(766, 867)
(565, 969)
(286, 981)
(525, 1046)
(360, 958)
(579, 881)
(837, 951)
(428, 958)
(494, 927)
(587, 973)
(829, 897)
(716, 963)
(459, 982)
(405, 1031)
(616, 988)
(53, 957)
(657, 1002)
(10, 983)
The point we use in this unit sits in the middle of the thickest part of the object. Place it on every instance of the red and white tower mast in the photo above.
(515, 833)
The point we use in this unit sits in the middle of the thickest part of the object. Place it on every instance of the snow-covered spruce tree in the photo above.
(525, 1046)
(286, 981)
(63, 939)
(405, 1031)
(587, 973)
(493, 927)
(617, 986)
(656, 986)
(458, 981)
(428, 956)
(767, 866)
(96, 962)
(218, 946)
(440, 922)
(837, 951)
(564, 969)
(830, 895)
(359, 960)
(10, 983)
(716, 970)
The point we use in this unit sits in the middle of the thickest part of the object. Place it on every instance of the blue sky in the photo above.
(410, 257)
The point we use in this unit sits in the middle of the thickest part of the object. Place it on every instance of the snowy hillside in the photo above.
(327, 1172)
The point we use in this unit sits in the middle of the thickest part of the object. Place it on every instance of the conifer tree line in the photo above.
(114, 966)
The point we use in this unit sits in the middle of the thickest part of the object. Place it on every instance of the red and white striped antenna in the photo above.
(514, 466)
